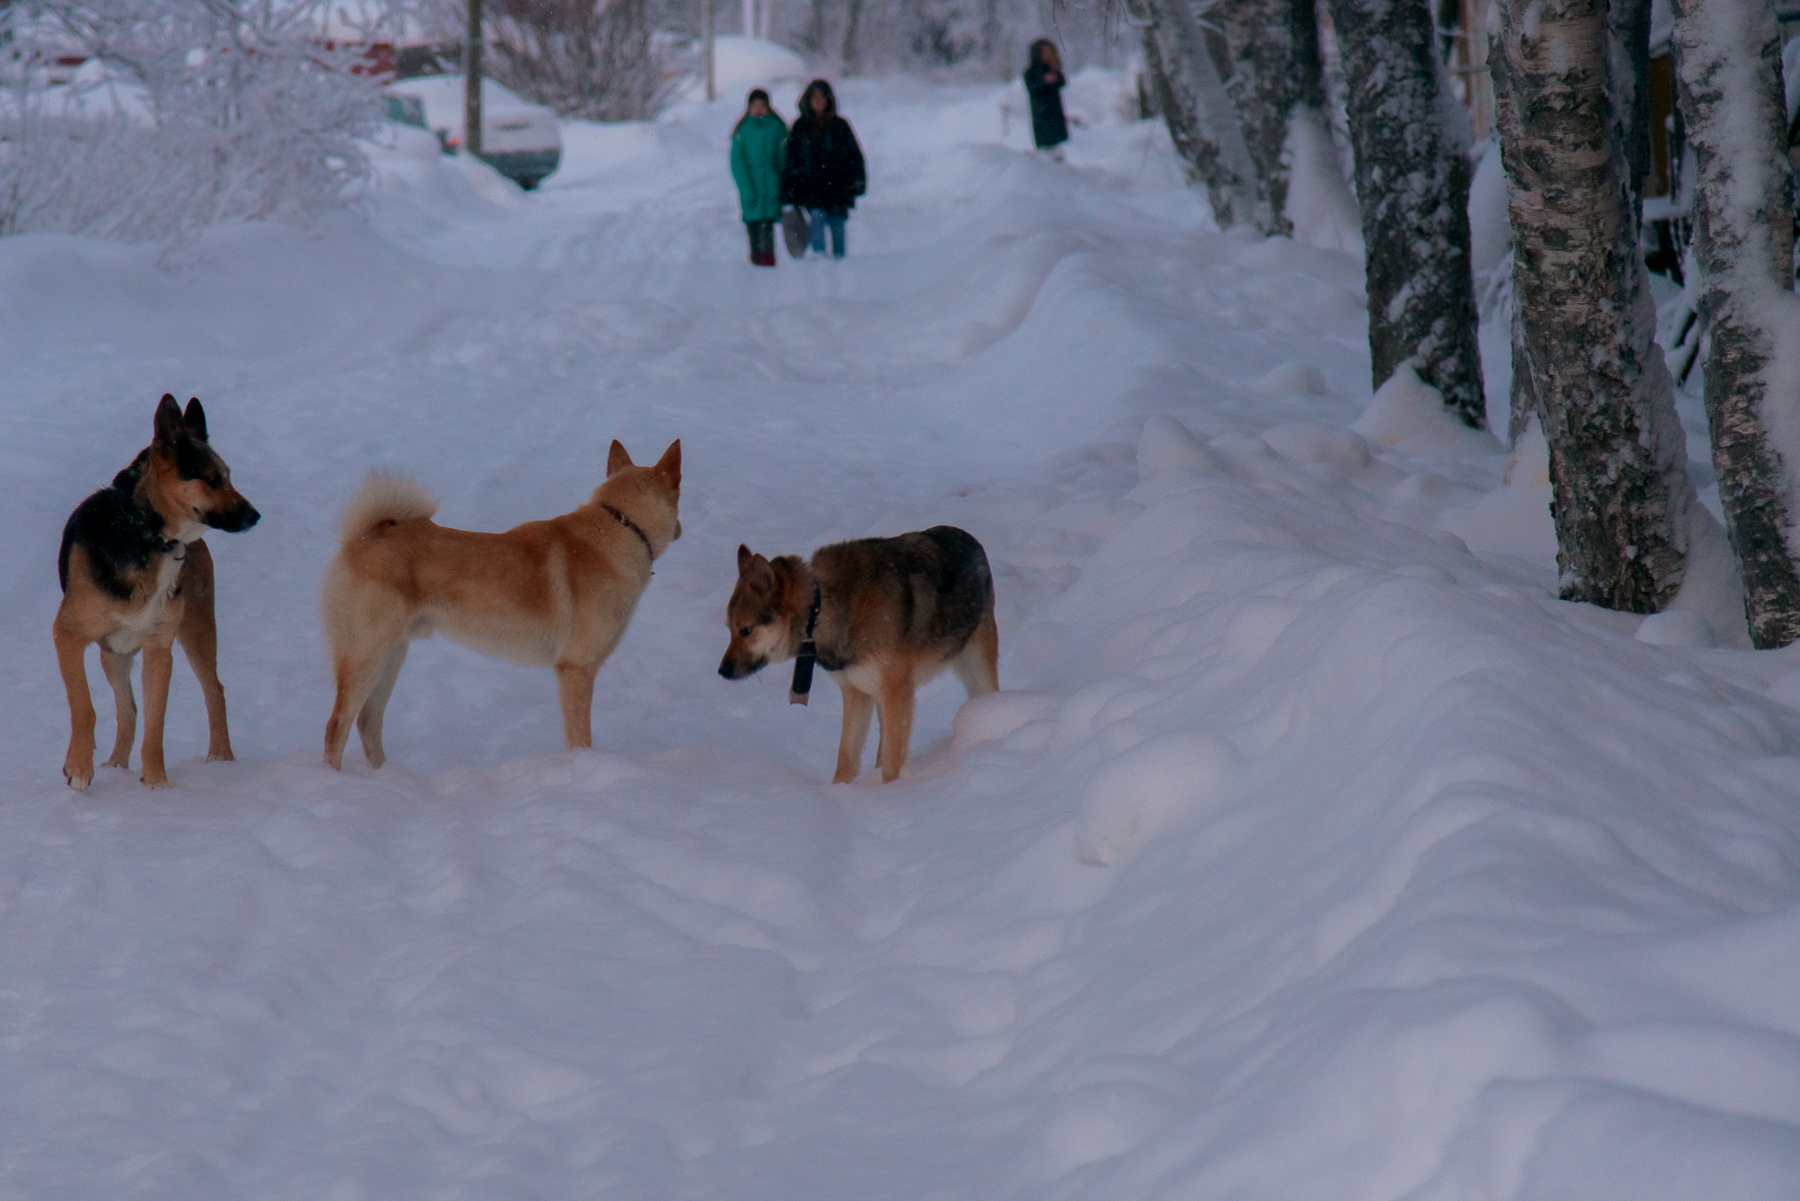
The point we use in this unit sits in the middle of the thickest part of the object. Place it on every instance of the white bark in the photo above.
(1202, 121)
(1729, 74)
(1585, 334)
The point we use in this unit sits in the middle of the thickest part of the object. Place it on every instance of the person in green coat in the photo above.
(758, 147)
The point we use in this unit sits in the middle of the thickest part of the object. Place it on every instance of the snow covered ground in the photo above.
(1314, 850)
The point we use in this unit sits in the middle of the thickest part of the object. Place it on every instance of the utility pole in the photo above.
(706, 33)
(472, 81)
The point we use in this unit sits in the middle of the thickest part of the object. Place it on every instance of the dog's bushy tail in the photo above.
(383, 500)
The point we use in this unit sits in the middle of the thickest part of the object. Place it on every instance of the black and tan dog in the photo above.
(882, 615)
(135, 574)
(555, 593)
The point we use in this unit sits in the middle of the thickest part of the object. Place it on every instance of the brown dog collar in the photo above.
(631, 525)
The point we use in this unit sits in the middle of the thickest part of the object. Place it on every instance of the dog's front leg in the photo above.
(199, 637)
(859, 706)
(896, 702)
(575, 689)
(78, 764)
(118, 674)
(159, 664)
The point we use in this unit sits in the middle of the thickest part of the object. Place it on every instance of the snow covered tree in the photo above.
(1412, 181)
(1586, 324)
(579, 57)
(1203, 122)
(1729, 72)
(187, 113)
(1272, 61)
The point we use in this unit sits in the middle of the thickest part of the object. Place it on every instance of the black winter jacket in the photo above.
(1048, 127)
(824, 166)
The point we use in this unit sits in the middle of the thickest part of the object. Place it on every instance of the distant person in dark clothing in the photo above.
(757, 144)
(824, 173)
(1044, 83)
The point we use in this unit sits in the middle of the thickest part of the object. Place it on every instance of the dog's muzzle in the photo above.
(233, 521)
(734, 670)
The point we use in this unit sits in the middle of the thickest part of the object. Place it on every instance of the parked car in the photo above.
(520, 140)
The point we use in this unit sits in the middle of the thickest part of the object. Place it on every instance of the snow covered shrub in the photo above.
(581, 58)
(186, 113)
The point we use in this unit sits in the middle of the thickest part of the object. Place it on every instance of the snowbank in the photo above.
(741, 63)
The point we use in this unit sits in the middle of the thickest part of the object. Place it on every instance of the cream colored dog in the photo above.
(555, 593)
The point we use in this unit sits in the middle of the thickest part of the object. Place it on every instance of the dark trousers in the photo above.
(762, 242)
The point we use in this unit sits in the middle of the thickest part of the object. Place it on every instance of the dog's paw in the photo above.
(160, 782)
(77, 781)
(123, 762)
(220, 757)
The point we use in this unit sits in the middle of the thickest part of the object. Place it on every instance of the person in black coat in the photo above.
(1044, 82)
(824, 172)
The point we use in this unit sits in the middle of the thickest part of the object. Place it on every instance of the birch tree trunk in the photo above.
(1202, 121)
(1629, 24)
(1618, 458)
(1273, 50)
(1729, 74)
(1412, 182)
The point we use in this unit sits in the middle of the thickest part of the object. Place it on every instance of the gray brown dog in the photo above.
(555, 593)
(136, 575)
(882, 615)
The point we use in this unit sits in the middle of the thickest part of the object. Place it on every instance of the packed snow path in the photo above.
(1310, 853)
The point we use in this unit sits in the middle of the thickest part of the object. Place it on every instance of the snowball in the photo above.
(1676, 627)
(1147, 789)
(1306, 442)
(1166, 445)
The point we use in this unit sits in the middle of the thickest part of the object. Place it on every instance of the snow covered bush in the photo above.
(185, 113)
(602, 60)
(580, 57)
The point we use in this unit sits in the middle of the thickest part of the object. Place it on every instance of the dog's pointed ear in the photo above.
(168, 426)
(744, 557)
(669, 466)
(616, 458)
(786, 573)
(195, 419)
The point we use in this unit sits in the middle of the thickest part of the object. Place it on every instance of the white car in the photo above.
(520, 140)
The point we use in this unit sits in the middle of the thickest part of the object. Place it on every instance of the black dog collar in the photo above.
(803, 665)
(631, 525)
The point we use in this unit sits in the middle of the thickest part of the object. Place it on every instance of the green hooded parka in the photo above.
(758, 148)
